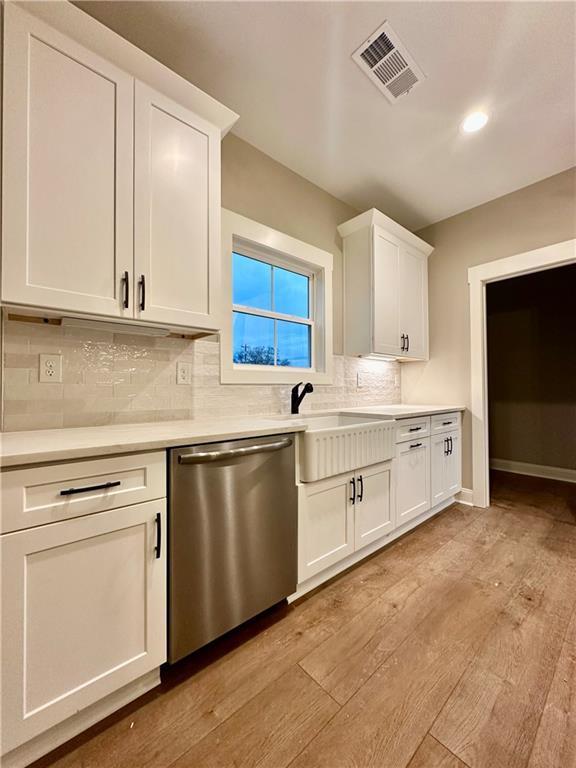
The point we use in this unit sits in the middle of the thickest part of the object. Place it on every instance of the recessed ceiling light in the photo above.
(474, 122)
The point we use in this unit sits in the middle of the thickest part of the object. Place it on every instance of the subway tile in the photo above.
(120, 378)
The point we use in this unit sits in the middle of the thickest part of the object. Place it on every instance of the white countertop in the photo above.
(403, 411)
(48, 445)
(17, 448)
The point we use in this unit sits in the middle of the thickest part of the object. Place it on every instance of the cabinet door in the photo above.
(438, 467)
(386, 281)
(83, 614)
(177, 213)
(326, 524)
(453, 477)
(412, 479)
(414, 302)
(373, 517)
(68, 168)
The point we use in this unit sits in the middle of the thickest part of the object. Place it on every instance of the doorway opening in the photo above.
(531, 370)
(479, 277)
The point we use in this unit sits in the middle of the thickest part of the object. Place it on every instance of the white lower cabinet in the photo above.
(83, 613)
(412, 479)
(325, 523)
(446, 461)
(339, 515)
(374, 510)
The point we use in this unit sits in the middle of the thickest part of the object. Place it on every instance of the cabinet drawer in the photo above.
(47, 494)
(444, 422)
(409, 429)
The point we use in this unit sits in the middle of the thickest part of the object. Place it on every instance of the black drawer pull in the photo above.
(142, 286)
(446, 423)
(158, 547)
(353, 484)
(415, 445)
(360, 496)
(88, 488)
(126, 285)
(414, 429)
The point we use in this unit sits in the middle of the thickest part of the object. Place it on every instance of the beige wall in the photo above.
(529, 218)
(258, 187)
(531, 326)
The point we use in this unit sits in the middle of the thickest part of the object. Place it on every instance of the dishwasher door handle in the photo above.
(203, 458)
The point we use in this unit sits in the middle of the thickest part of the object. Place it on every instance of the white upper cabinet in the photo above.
(385, 288)
(111, 188)
(67, 210)
(177, 210)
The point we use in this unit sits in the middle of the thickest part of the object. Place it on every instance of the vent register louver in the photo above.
(385, 60)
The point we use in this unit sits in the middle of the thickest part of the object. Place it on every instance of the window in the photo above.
(271, 322)
(279, 327)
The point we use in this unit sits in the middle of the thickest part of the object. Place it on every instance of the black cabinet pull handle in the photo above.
(126, 286)
(414, 429)
(407, 342)
(87, 488)
(353, 497)
(361, 482)
(415, 445)
(446, 423)
(451, 445)
(142, 286)
(158, 547)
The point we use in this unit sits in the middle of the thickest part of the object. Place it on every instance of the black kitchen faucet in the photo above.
(297, 396)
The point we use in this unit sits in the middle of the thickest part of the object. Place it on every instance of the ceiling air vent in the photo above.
(385, 60)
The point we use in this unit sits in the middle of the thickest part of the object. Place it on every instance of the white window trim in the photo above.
(248, 237)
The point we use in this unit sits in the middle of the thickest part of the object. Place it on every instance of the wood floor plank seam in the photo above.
(464, 763)
(319, 684)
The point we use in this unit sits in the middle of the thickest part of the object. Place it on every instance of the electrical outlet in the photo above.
(50, 369)
(363, 380)
(183, 373)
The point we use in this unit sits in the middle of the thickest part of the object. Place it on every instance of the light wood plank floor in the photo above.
(454, 647)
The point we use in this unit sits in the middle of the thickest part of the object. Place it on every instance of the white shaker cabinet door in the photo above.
(438, 467)
(414, 303)
(453, 477)
(374, 516)
(446, 466)
(177, 213)
(67, 172)
(83, 614)
(412, 479)
(326, 524)
(386, 282)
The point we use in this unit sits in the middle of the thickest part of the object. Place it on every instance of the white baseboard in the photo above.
(334, 570)
(45, 742)
(534, 470)
(466, 496)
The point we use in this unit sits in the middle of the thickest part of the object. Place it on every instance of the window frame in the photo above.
(254, 240)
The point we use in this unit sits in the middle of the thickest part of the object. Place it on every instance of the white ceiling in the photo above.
(285, 67)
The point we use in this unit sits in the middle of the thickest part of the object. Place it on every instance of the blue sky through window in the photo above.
(261, 340)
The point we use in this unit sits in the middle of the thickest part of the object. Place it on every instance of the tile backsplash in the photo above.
(115, 378)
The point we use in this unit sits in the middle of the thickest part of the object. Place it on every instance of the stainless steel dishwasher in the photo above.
(233, 527)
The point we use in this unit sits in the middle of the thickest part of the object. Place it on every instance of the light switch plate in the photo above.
(50, 371)
(183, 373)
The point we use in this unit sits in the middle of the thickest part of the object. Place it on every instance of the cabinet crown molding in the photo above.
(103, 41)
(374, 217)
